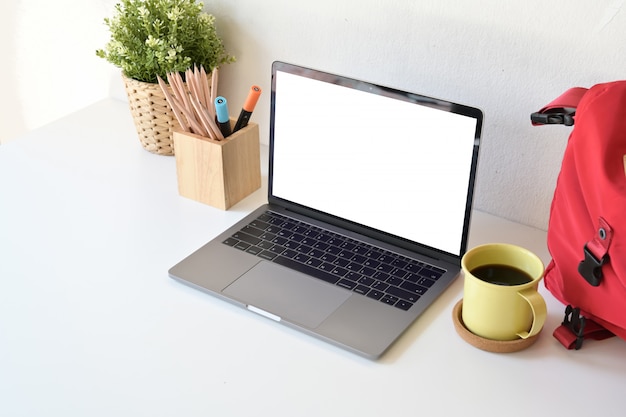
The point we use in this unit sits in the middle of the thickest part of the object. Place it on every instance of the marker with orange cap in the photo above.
(248, 108)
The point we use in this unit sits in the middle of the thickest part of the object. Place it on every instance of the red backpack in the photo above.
(587, 226)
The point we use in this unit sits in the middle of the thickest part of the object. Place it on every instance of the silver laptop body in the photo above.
(385, 175)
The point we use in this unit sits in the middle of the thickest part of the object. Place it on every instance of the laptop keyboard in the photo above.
(377, 273)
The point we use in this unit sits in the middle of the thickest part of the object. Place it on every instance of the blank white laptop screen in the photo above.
(389, 164)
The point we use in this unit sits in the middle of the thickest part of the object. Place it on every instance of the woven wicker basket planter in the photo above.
(153, 117)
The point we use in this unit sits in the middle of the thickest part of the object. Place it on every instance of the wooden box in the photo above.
(218, 173)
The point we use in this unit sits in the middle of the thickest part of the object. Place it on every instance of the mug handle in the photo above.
(539, 309)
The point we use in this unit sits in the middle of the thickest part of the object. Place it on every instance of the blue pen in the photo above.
(221, 114)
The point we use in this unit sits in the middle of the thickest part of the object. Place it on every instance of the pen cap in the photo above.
(221, 109)
(253, 97)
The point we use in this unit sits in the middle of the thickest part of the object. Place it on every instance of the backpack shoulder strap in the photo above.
(561, 110)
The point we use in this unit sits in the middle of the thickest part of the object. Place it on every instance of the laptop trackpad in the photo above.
(288, 294)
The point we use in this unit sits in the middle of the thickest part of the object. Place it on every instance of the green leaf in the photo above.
(156, 37)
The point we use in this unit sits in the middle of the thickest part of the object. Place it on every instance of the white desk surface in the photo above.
(91, 324)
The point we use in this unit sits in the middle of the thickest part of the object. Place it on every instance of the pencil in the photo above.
(173, 105)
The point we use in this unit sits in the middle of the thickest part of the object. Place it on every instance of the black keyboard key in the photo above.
(368, 271)
(265, 217)
(371, 263)
(399, 273)
(438, 270)
(373, 254)
(304, 249)
(317, 273)
(346, 254)
(325, 266)
(230, 241)
(254, 250)
(353, 276)
(300, 229)
(353, 266)
(341, 262)
(412, 277)
(268, 236)
(277, 249)
(321, 245)
(385, 259)
(426, 282)
(242, 245)
(267, 255)
(247, 238)
(347, 246)
(279, 240)
(288, 225)
(276, 221)
(284, 233)
(381, 276)
(324, 237)
(273, 229)
(259, 224)
(313, 262)
(291, 244)
(361, 289)
(316, 253)
(307, 241)
(394, 280)
(399, 263)
(380, 286)
(358, 259)
(389, 299)
(403, 305)
(366, 281)
(333, 241)
(338, 271)
(430, 273)
(265, 245)
(413, 288)
(301, 258)
(361, 250)
(335, 250)
(346, 284)
(311, 233)
(297, 237)
(326, 257)
(252, 231)
(403, 294)
(375, 294)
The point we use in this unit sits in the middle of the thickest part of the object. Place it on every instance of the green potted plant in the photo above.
(151, 38)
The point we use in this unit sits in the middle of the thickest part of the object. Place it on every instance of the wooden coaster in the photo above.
(496, 346)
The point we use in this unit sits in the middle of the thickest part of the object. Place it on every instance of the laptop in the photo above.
(369, 201)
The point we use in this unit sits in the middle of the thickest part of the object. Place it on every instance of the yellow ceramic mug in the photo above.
(503, 304)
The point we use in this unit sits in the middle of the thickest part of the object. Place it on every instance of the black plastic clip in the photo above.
(559, 118)
(591, 268)
(576, 324)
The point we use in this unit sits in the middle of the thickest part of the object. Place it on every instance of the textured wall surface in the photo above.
(508, 58)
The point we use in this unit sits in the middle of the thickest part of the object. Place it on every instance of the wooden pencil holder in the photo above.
(218, 173)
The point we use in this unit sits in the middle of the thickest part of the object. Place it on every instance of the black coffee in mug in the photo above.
(501, 274)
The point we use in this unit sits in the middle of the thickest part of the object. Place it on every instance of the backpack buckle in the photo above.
(557, 118)
(575, 323)
(575, 328)
(591, 268)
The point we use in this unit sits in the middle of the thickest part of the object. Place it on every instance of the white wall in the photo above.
(49, 67)
(506, 57)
